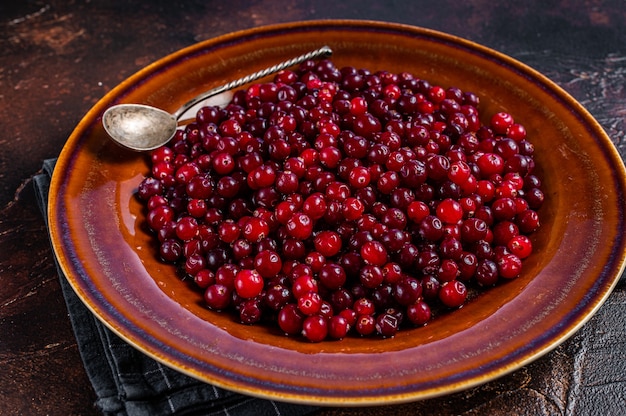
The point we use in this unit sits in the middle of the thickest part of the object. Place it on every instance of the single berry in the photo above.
(338, 327)
(419, 313)
(315, 328)
(453, 294)
(328, 243)
(290, 319)
(248, 283)
(217, 297)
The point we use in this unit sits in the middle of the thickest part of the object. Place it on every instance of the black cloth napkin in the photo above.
(129, 383)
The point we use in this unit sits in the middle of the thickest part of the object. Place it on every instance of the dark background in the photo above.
(57, 58)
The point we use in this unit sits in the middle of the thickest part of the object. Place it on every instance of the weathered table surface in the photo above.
(57, 58)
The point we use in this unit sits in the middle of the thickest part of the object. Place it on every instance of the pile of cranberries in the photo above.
(335, 201)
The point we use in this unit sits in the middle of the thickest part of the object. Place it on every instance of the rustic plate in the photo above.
(109, 258)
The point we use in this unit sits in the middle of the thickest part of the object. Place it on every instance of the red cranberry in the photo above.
(310, 303)
(204, 278)
(268, 263)
(365, 325)
(217, 296)
(250, 311)
(328, 243)
(338, 327)
(419, 313)
(277, 296)
(387, 325)
(315, 328)
(299, 226)
(449, 211)
(509, 266)
(527, 221)
(501, 122)
(255, 229)
(373, 252)
(248, 283)
(407, 291)
(453, 294)
(332, 276)
(290, 319)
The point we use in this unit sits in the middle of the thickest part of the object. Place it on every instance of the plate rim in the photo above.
(65, 161)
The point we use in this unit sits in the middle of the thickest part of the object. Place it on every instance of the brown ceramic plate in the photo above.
(98, 236)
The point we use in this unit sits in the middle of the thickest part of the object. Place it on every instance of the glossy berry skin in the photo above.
(299, 226)
(250, 311)
(255, 229)
(338, 327)
(159, 216)
(290, 319)
(374, 253)
(359, 177)
(419, 313)
(371, 276)
(387, 325)
(204, 278)
(268, 263)
(407, 291)
(332, 276)
(365, 325)
(449, 211)
(187, 228)
(218, 297)
(509, 266)
(337, 202)
(315, 328)
(310, 303)
(490, 164)
(277, 296)
(248, 283)
(303, 284)
(501, 122)
(521, 246)
(364, 306)
(453, 294)
(328, 243)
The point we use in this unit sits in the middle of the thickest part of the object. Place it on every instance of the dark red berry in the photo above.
(315, 328)
(218, 296)
(387, 324)
(290, 319)
(453, 294)
(268, 263)
(332, 276)
(338, 327)
(419, 313)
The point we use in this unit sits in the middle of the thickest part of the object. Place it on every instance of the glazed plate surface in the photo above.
(98, 232)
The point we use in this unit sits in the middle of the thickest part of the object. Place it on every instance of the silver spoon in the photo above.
(142, 127)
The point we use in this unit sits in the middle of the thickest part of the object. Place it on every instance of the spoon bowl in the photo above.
(142, 127)
(139, 127)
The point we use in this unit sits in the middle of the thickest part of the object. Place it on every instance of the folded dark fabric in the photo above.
(129, 383)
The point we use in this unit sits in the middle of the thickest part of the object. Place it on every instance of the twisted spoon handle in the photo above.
(323, 51)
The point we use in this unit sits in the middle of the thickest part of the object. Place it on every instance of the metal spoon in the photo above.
(142, 127)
